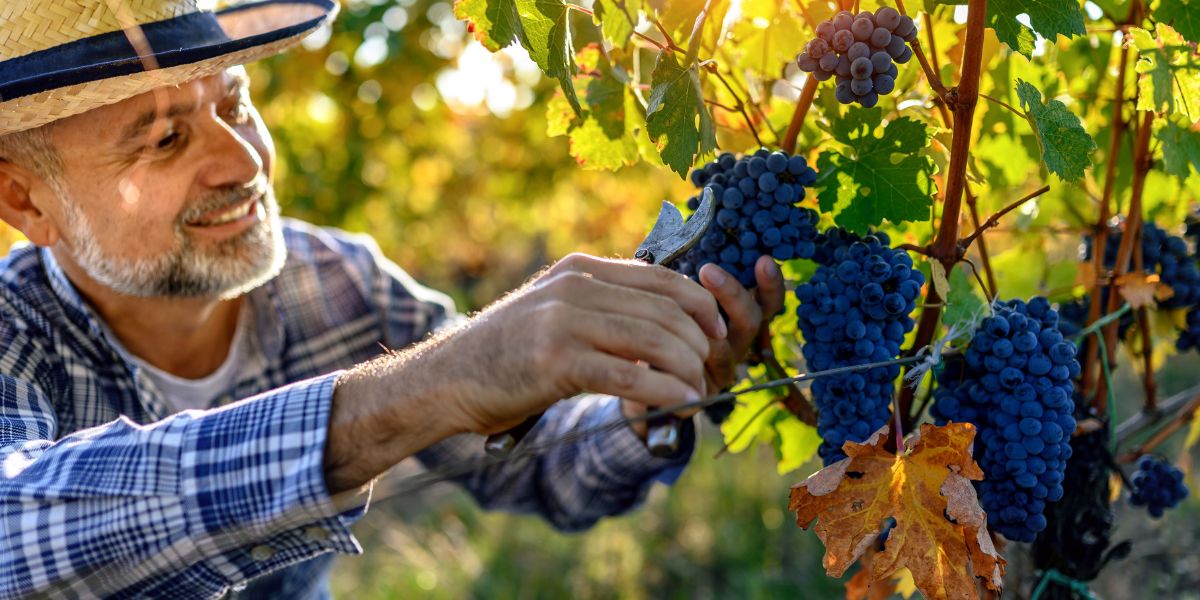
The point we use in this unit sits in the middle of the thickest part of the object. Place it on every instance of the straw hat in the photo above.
(63, 57)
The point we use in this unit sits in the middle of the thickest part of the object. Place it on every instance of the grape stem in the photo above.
(621, 5)
(667, 35)
(1005, 105)
(1184, 417)
(994, 220)
(806, 99)
(944, 96)
(945, 246)
(711, 67)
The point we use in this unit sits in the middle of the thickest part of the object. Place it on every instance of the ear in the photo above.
(23, 196)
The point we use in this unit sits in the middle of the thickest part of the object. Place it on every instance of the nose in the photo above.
(233, 160)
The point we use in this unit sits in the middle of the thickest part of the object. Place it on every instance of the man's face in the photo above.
(169, 193)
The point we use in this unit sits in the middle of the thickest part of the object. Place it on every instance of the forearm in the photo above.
(389, 409)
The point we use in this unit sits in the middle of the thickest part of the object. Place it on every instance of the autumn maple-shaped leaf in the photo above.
(1140, 289)
(939, 532)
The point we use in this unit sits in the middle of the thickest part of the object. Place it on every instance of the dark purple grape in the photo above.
(807, 63)
(887, 17)
(825, 30)
(843, 68)
(896, 46)
(858, 50)
(862, 29)
(861, 68)
(893, 71)
(861, 87)
(881, 37)
(884, 84)
(817, 48)
(907, 29)
(843, 20)
(869, 100)
(866, 14)
(905, 56)
(881, 61)
(821, 75)
(842, 40)
(829, 62)
(844, 93)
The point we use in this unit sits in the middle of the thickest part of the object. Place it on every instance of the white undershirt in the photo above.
(182, 393)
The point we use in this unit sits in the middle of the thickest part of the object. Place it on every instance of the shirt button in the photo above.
(316, 534)
(262, 552)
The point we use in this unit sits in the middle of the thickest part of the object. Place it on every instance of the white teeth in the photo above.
(228, 216)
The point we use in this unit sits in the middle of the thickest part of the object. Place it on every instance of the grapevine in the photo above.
(862, 198)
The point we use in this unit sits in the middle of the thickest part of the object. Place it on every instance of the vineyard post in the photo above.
(945, 247)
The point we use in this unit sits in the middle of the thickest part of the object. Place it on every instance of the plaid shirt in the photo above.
(103, 493)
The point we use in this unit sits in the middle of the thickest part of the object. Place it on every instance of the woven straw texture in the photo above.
(39, 109)
(31, 25)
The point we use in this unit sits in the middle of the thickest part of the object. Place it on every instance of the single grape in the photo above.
(869, 100)
(843, 67)
(905, 56)
(817, 48)
(880, 62)
(887, 17)
(861, 68)
(842, 40)
(807, 63)
(881, 37)
(825, 30)
(844, 93)
(907, 29)
(884, 84)
(858, 50)
(843, 20)
(821, 75)
(896, 46)
(861, 87)
(829, 62)
(862, 29)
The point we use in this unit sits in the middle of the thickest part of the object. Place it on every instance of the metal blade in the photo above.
(671, 236)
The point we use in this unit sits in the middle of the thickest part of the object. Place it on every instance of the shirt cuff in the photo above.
(625, 456)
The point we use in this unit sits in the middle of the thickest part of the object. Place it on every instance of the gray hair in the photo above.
(33, 150)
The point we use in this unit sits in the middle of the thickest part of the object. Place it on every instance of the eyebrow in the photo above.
(238, 84)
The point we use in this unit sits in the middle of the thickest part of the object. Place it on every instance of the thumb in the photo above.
(769, 292)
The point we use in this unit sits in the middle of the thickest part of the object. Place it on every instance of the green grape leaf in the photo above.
(1181, 148)
(1047, 17)
(677, 111)
(963, 304)
(876, 178)
(1066, 145)
(547, 37)
(616, 19)
(795, 442)
(1183, 15)
(1169, 71)
(601, 141)
(495, 23)
(752, 416)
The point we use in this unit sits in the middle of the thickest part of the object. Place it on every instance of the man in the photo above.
(191, 392)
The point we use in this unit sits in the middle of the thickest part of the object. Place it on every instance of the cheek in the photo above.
(260, 138)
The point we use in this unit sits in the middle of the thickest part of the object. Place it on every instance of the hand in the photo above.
(746, 310)
(582, 325)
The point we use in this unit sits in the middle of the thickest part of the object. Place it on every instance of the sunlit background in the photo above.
(395, 122)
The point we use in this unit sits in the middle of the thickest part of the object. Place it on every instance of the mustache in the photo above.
(224, 199)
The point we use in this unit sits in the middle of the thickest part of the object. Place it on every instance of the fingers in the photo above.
(607, 374)
(600, 296)
(721, 366)
(770, 286)
(631, 338)
(739, 304)
(659, 280)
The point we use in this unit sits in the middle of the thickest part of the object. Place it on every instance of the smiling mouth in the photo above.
(226, 215)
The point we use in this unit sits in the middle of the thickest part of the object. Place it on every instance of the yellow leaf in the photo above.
(905, 586)
(1139, 289)
(940, 284)
(1193, 434)
(939, 534)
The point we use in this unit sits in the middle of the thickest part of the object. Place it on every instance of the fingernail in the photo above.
(716, 276)
(722, 329)
(692, 396)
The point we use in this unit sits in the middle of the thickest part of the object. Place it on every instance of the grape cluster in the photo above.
(1157, 485)
(756, 201)
(1014, 384)
(853, 311)
(1078, 542)
(1189, 339)
(859, 50)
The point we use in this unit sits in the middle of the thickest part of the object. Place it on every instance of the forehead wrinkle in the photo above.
(237, 82)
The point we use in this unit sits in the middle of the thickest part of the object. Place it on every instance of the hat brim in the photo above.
(237, 35)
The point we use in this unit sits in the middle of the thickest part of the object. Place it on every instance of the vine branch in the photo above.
(802, 106)
(994, 220)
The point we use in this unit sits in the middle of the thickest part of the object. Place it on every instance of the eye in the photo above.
(168, 141)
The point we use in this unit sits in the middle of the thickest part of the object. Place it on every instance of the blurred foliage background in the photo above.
(394, 122)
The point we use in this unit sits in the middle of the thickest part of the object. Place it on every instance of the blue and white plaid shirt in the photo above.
(103, 493)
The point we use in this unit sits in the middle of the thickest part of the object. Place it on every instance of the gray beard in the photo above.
(222, 271)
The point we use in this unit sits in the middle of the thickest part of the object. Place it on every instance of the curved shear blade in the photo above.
(671, 236)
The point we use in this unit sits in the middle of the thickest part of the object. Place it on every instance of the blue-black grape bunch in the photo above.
(859, 50)
(1157, 485)
(1014, 384)
(757, 213)
(853, 311)
(1163, 254)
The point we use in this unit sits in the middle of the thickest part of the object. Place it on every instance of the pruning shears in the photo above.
(668, 240)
